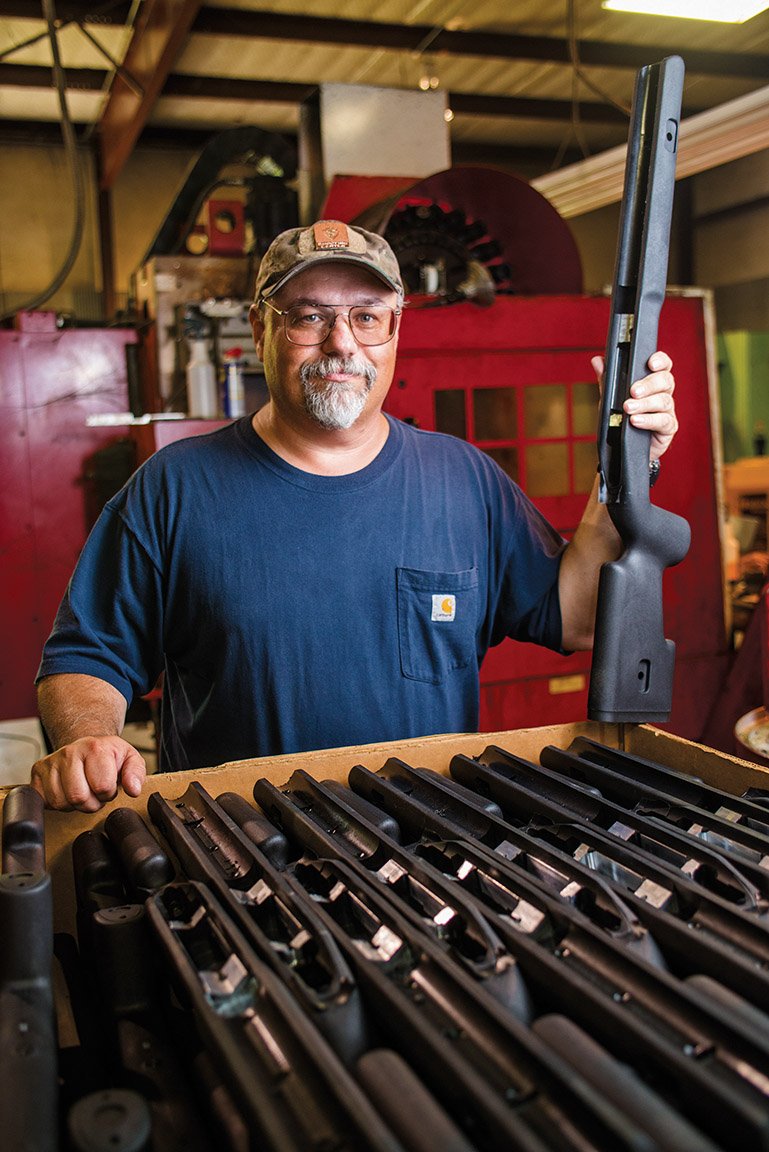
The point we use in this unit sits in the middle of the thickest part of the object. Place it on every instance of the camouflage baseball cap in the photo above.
(324, 242)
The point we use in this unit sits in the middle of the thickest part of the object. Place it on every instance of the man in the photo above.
(316, 575)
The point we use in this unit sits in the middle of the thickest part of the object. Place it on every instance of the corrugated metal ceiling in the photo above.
(251, 63)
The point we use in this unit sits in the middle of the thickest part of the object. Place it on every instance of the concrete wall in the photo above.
(37, 213)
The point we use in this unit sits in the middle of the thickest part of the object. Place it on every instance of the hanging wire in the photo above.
(99, 10)
(579, 76)
(75, 171)
(577, 64)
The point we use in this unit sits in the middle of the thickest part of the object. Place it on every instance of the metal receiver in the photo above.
(632, 670)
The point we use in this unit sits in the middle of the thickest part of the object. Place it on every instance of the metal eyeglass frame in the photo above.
(396, 312)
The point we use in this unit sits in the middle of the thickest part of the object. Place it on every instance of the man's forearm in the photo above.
(72, 705)
(594, 544)
(84, 717)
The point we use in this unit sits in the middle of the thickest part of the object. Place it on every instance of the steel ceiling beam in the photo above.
(46, 132)
(286, 92)
(419, 38)
(416, 38)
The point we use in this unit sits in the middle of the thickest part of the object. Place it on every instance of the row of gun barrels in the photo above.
(566, 955)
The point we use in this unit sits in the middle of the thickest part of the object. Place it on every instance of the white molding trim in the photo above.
(708, 139)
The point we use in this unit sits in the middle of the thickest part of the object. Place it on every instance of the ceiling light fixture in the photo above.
(727, 132)
(722, 11)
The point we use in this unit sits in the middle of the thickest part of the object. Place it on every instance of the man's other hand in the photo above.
(85, 774)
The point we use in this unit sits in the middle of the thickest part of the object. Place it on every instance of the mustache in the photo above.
(314, 370)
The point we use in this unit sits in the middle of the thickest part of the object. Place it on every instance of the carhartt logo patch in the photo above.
(444, 606)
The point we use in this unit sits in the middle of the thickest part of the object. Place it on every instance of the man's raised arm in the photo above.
(596, 541)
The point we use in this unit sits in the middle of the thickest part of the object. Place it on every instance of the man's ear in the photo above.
(257, 327)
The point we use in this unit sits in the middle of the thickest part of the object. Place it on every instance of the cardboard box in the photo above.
(716, 768)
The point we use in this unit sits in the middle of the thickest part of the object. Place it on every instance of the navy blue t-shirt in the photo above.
(290, 611)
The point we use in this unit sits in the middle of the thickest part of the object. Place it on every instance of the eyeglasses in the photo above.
(310, 324)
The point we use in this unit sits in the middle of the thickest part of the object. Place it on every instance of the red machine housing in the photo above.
(51, 381)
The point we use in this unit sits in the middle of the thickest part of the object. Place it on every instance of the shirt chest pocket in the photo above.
(437, 616)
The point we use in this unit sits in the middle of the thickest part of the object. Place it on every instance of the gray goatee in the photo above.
(333, 404)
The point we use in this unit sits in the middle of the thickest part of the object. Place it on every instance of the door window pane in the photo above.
(494, 413)
(547, 470)
(507, 458)
(450, 412)
(544, 409)
(585, 464)
(584, 409)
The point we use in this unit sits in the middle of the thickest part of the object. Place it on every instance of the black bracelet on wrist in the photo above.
(654, 471)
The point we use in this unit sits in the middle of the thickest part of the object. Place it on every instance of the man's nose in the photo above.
(340, 336)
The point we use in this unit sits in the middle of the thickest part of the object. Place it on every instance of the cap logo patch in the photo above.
(331, 234)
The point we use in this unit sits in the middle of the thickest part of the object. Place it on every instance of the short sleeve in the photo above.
(110, 621)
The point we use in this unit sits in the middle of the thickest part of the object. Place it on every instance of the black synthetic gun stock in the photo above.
(528, 792)
(673, 872)
(632, 670)
(666, 900)
(123, 1025)
(517, 896)
(322, 822)
(23, 837)
(28, 1041)
(687, 790)
(278, 919)
(668, 1036)
(484, 1061)
(535, 917)
(431, 807)
(745, 844)
(294, 1094)
(199, 814)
